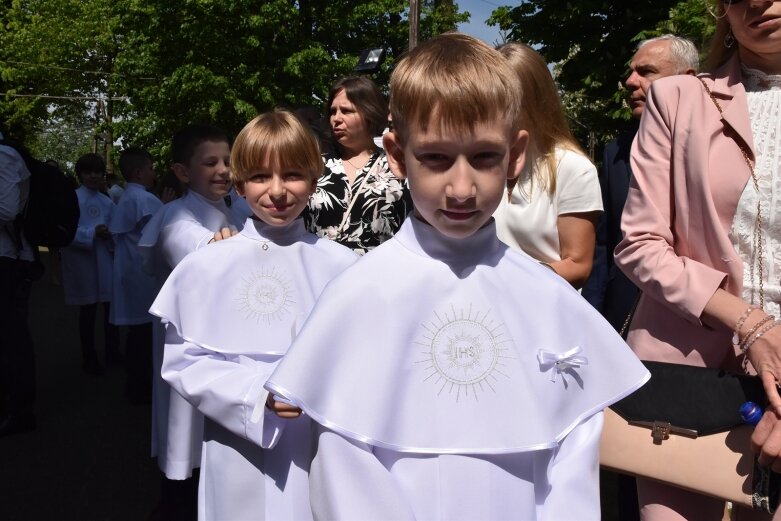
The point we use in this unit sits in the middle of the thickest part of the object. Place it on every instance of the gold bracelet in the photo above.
(751, 331)
(739, 324)
(761, 332)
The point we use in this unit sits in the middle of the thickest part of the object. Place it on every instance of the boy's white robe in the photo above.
(177, 229)
(231, 311)
(134, 288)
(87, 261)
(455, 379)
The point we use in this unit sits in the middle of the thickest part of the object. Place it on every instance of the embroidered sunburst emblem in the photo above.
(265, 295)
(464, 352)
(93, 210)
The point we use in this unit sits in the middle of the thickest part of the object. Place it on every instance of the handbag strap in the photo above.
(630, 316)
(758, 242)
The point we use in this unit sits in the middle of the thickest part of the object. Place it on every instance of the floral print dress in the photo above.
(380, 206)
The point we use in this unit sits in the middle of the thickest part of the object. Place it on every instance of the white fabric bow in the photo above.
(559, 363)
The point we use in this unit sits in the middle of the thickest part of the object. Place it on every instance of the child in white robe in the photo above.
(450, 377)
(87, 264)
(231, 311)
(134, 289)
(201, 162)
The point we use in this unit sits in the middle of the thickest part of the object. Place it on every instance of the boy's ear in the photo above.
(181, 173)
(239, 185)
(517, 154)
(314, 185)
(395, 153)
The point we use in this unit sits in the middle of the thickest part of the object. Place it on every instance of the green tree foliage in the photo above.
(591, 42)
(140, 69)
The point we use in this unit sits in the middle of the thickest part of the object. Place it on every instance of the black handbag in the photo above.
(683, 408)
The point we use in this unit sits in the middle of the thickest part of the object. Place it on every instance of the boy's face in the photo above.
(457, 178)
(208, 171)
(92, 180)
(277, 195)
(145, 176)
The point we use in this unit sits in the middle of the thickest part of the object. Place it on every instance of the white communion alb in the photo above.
(455, 379)
(134, 289)
(231, 311)
(179, 228)
(87, 261)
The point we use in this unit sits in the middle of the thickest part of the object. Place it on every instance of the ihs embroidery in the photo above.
(464, 352)
(265, 295)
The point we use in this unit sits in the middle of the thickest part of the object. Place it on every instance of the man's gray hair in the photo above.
(683, 51)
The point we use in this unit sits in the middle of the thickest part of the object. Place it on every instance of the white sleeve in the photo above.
(573, 475)
(577, 185)
(347, 482)
(182, 237)
(229, 392)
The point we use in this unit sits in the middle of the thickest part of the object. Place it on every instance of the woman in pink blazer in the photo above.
(692, 188)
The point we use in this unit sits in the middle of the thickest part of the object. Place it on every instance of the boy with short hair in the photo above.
(454, 392)
(201, 156)
(87, 264)
(134, 289)
(259, 287)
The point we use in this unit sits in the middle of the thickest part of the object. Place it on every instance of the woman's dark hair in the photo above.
(367, 98)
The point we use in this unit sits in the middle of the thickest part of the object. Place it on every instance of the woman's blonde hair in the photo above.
(275, 138)
(542, 115)
(457, 80)
(718, 53)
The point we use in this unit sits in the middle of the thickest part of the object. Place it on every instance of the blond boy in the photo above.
(452, 391)
(259, 286)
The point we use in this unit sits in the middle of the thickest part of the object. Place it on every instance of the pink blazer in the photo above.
(689, 173)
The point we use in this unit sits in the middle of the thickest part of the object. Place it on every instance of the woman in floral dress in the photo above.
(358, 203)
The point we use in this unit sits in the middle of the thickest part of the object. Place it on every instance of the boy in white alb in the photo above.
(471, 385)
(87, 264)
(201, 156)
(134, 289)
(231, 311)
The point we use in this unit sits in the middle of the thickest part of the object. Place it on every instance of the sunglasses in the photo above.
(731, 2)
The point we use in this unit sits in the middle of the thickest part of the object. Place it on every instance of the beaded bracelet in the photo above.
(753, 330)
(739, 324)
(761, 332)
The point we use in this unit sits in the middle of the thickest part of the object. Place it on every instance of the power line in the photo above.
(47, 96)
(55, 67)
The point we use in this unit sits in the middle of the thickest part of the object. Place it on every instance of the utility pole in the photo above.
(414, 23)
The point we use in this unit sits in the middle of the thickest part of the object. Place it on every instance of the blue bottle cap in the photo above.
(751, 413)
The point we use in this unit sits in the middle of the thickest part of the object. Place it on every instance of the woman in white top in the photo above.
(552, 211)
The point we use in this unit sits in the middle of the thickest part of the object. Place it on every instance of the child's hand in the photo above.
(282, 409)
(225, 233)
(101, 232)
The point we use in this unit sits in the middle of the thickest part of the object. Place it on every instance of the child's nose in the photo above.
(277, 188)
(461, 186)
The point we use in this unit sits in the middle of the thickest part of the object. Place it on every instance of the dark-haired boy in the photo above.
(201, 162)
(134, 289)
(87, 264)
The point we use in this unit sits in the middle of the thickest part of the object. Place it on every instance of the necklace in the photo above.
(361, 165)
